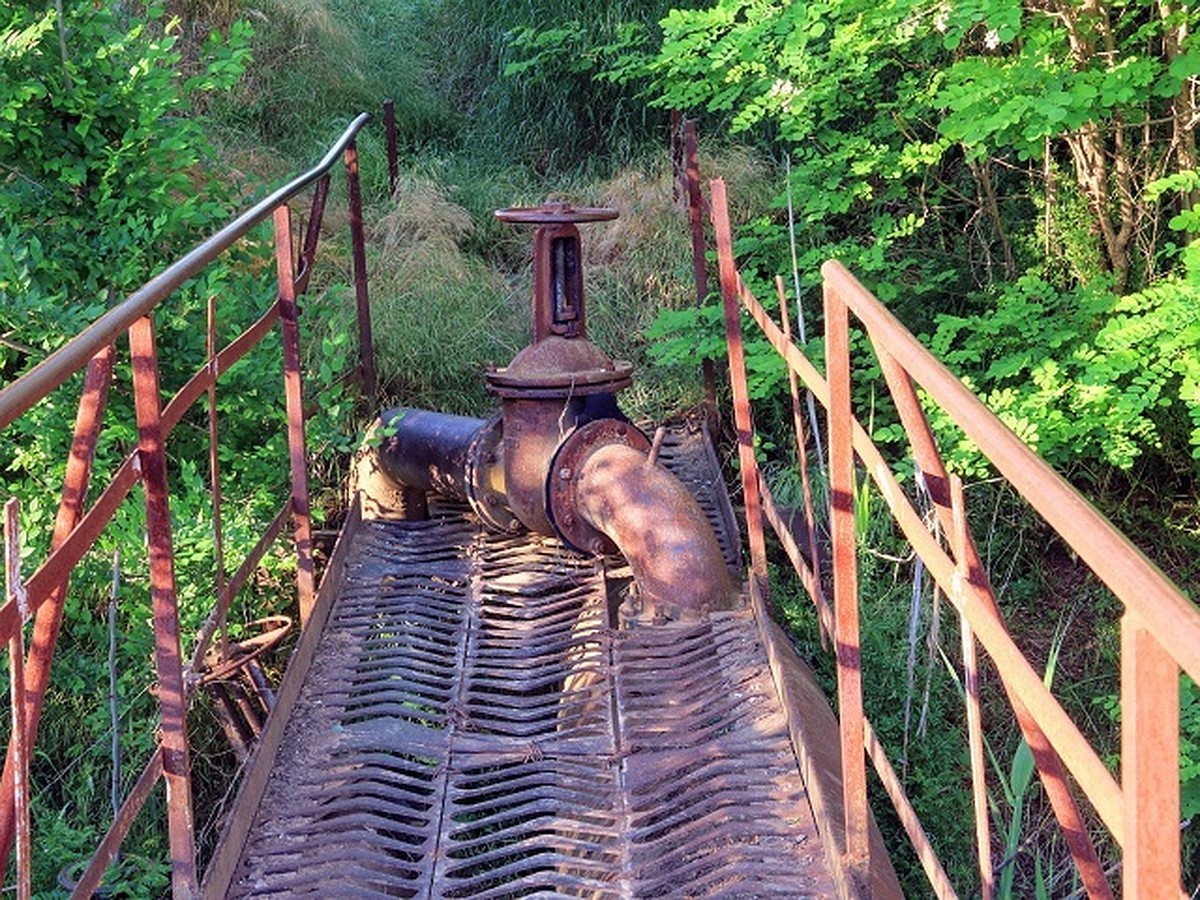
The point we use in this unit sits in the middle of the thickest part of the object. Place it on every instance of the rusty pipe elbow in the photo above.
(659, 528)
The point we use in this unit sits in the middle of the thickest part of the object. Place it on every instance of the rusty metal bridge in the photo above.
(493, 704)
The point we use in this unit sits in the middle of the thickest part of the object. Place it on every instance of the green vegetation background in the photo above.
(1018, 181)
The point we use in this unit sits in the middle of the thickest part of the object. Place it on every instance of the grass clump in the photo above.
(441, 314)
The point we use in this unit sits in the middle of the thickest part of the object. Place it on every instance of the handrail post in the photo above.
(983, 837)
(690, 165)
(168, 654)
(19, 741)
(358, 246)
(845, 583)
(741, 396)
(1149, 764)
(801, 437)
(1050, 767)
(297, 444)
(48, 619)
(393, 157)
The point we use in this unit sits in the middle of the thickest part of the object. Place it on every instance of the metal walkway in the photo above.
(477, 723)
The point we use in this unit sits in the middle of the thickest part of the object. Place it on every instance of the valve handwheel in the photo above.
(553, 213)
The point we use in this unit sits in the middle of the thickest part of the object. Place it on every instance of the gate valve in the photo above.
(561, 361)
(557, 264)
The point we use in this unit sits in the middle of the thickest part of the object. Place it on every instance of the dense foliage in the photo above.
(1002, 175)
(101, 160)
(107, 176)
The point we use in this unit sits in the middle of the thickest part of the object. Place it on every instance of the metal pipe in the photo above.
(427, 450)
(642, 508)
(660, 529)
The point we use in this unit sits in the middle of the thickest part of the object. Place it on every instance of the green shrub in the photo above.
(1084, 376)
(100, 163)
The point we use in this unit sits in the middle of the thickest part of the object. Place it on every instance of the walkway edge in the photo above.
(814, 731)
(219, 873)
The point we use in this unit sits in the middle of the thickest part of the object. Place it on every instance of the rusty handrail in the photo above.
(1110, 554)
(78, 525)
(39, 381)
(1160, 632)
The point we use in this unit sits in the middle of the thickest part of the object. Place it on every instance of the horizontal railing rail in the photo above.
(79, 524)
(18, 397)
(1160, 629)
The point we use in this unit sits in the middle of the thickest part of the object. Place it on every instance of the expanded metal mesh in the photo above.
(474, 726)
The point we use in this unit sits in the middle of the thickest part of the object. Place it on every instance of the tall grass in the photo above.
(556, 115)
(319, 61)
(441, 315)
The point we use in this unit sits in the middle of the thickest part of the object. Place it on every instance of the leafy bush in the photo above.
(1084, 376)
(107, 177)
(100, 161)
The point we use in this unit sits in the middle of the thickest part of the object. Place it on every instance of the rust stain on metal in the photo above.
(49, 615)
(292, 384)
(19, 740)
(168, 663)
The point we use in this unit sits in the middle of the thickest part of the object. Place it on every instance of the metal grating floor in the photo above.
(473, 725)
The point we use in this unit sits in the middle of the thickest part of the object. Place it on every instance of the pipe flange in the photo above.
(567, 384)
(560, 367)
(485, 477)
(563, 479)
(555, 213)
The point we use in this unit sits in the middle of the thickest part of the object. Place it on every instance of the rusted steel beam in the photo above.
(737, 376)
(1020, 678)
(1149, 765)
(63, 363)
(1160, 605)
(845, 580)
(358, 250)
(297, 444)
(1103, 790)
(1055, 731)
(19, 737)
(79, 539)
(808, 578)
(172, 700)
(801, 443)
(88, 419)
(393, 157)
(214, 461)
(959, 539)
(234, 586)
(940, 487)
(107, 851)
(198, 384)
(934, 872)
(312, 233)
(691, 175)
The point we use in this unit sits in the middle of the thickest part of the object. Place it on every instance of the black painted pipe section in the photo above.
(427, 450)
